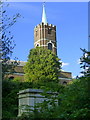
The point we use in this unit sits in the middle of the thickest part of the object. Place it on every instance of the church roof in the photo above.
(44, 19)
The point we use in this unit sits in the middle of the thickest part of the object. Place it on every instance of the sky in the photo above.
(71, 20)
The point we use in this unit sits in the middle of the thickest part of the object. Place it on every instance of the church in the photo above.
(45, 37)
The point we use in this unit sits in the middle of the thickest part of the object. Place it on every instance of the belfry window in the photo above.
(50, 46)
(49, 30)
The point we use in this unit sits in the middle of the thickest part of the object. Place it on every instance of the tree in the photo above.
(6, 49)
(76, 96)
(10, 89)
(85, 63)
(74, 100)
(42, 66)
(6, 43)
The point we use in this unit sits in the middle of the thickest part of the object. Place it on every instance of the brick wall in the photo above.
(44, 34)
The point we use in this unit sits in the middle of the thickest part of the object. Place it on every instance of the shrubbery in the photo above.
(74, 99)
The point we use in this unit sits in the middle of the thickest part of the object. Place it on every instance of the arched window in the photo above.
(49, 30)
(50, 46)
(11, 78)
(64, 83)
(37, 45)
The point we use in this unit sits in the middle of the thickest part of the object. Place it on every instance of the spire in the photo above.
(44, 19)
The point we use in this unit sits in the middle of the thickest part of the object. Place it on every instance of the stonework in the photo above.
(44, 35)
(29, 98)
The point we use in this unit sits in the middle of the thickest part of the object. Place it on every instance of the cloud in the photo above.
(74, 77)
(78, 61)
(64, 64)
(80, 75)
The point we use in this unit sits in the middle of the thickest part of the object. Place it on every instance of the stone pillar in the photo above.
(28, 99)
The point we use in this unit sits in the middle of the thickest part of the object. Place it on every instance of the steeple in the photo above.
(44, 19)
(45, 34)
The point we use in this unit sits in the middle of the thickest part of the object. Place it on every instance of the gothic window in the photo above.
(49, 30)
(50, 46)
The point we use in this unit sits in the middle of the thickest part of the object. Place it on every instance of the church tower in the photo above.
(45, 34)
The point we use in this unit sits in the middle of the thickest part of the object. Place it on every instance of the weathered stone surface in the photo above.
(29, 98)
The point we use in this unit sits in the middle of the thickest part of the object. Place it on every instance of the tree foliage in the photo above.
(10, 97)
(6, 43)
(85, 62)
(74, 100)
(42, 66)
(6, 49)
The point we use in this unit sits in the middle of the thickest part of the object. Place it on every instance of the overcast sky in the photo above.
(71, 20)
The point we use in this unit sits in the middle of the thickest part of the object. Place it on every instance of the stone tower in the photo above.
(45, 34)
